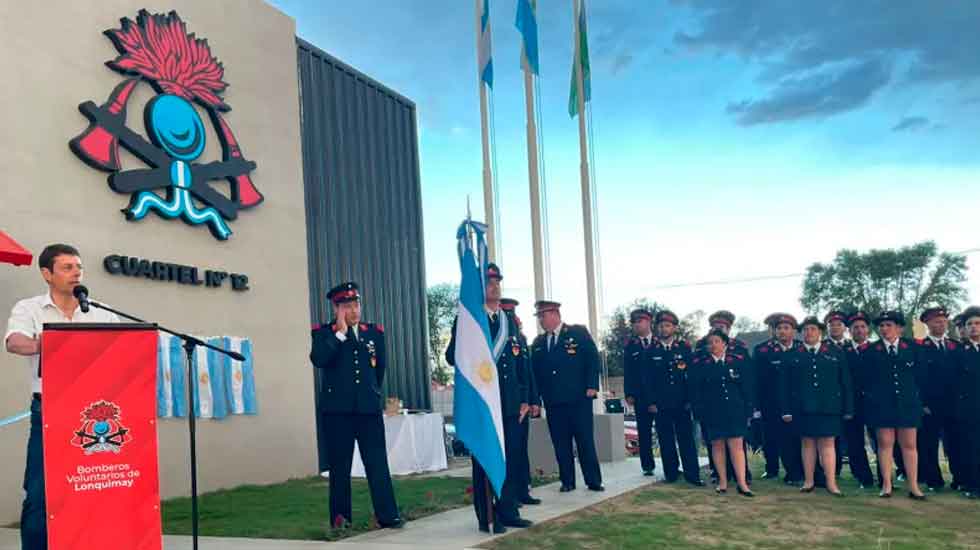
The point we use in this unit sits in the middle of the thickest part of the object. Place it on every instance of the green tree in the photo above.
(441, 300)
(619, 329)
(908, 279)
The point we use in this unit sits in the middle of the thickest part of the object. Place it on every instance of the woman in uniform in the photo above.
(722, 391)
(816, 394)
(893, 404)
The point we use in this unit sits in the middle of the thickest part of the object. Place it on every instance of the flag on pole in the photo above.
(527, 24)
(476, 405)
(581, 58)
(485, 54)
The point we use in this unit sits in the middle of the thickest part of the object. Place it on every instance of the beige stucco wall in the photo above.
(51, 61)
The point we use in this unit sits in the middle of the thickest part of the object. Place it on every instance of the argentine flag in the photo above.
(527, 24)
(485, 59)
(476, 405)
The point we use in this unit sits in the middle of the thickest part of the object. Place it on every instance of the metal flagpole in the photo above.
(586, 182)
(537, 235)
(488, 190)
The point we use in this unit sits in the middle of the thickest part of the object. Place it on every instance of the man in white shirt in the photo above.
(61, 268)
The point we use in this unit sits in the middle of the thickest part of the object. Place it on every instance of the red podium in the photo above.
(100, 436)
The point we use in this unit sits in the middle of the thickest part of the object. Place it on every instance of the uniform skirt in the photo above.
(894, 419)
(818, 425)
(715, 429)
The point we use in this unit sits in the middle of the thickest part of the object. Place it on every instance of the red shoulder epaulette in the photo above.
(950, 345)
(864, 346)
(920, 341)
(380, 327)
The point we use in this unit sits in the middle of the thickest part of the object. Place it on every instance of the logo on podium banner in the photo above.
(156, 49)
(102, 430)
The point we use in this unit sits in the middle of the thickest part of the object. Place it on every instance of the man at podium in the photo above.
(61, 268)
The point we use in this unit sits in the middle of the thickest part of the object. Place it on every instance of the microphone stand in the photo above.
(190, 343)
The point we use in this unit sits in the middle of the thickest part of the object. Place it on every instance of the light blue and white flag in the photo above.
(484, 54)
(527, 24)
(476, 405)
(224, 386)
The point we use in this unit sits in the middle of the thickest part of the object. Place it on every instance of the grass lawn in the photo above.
(299, 508)
(679, 517)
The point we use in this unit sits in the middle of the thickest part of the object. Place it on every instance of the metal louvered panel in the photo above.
(364, 210)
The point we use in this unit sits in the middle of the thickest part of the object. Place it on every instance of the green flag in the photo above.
(581, 50)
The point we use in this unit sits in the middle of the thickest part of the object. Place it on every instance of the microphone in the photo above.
(81, 293)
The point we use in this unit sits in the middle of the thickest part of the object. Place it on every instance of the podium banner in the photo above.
(100, 436)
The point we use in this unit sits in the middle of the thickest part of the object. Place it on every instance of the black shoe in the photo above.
(970, 495)
(721, 491)
(520, 523)
(837, 494)
(767, 475)
(696, 482)
(531, 501)
(648, 473)
(748, 494)
(670, 480)
(484, 528)
(788, 481)
(498, 528)
(955, 486)
(883, 494)
(914, 496)
(398, 523)
(566, 488)
(901, 477)
(808, 489)
(597, 488)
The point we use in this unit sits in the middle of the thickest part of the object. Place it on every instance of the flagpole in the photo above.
(488, 190)
(590, 273)
(537, 235)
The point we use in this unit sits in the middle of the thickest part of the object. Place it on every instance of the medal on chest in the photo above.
(571, 346)
(372, 349)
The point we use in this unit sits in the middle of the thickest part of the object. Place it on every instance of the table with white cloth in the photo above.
(415, 443)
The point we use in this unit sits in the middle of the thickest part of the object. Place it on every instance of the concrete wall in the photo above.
(52, 60)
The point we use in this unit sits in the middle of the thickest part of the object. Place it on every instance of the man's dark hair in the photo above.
(50, 252)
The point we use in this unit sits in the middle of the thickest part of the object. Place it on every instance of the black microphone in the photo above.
(81, 293)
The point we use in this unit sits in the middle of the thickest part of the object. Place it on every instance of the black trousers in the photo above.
(675, 431)
(644, 433)
(791, 451)
(524, 490)
(369, 432)
(967, 434)
(857, 454)
(953, 448)
(773, 433)
(927, 442)
(505, 506)
(568, 422)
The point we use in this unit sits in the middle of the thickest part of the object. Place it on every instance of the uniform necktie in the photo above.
(646, 343)
(551, 340)
(892, 351)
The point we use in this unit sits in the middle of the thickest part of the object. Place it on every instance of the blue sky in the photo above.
(732, 139)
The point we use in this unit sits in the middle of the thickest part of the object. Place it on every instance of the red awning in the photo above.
(13, 253)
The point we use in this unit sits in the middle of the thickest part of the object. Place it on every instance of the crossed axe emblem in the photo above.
(177, 135)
